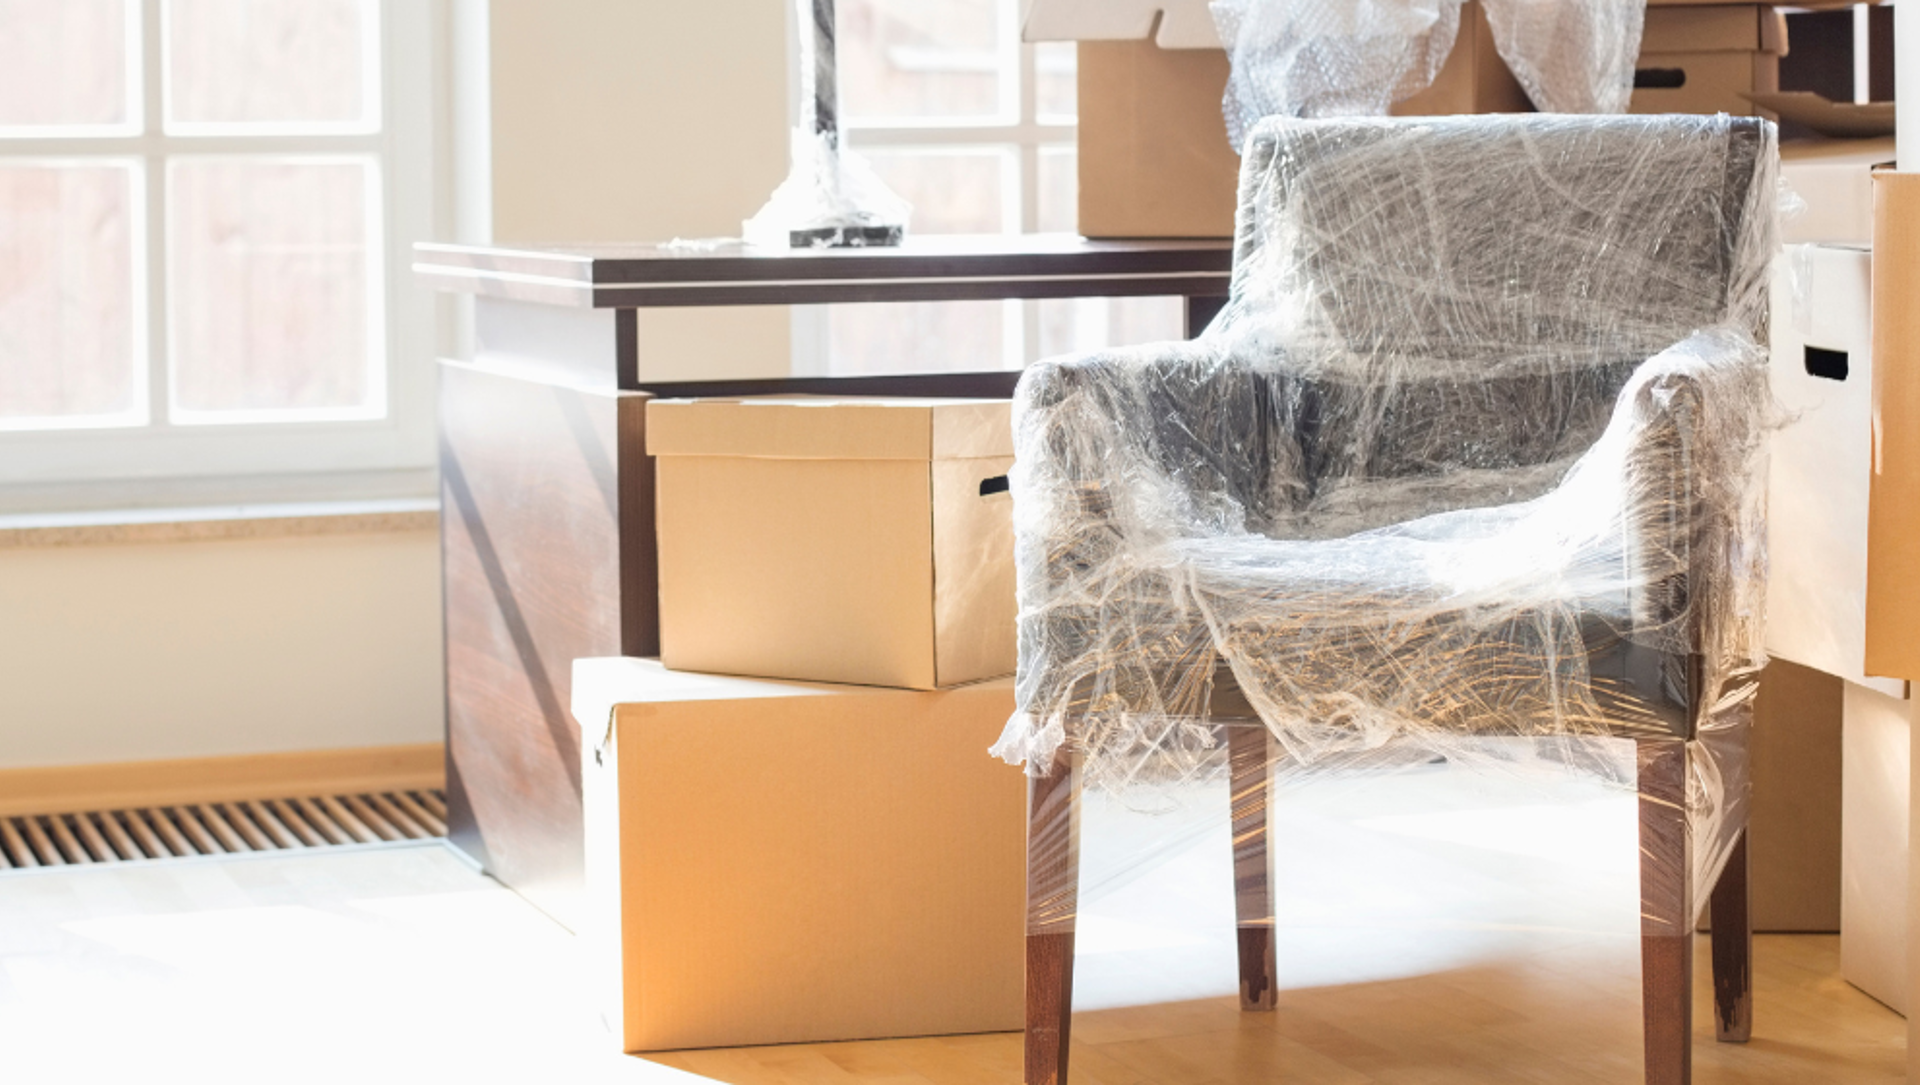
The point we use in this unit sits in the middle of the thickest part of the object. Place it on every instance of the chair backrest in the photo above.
(1471, 293)
(1455, 238)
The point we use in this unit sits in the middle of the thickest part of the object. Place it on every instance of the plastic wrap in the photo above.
(831, 197)
(1333, 58)
(1472, 465)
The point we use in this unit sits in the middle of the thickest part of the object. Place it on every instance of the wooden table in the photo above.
(547, 493)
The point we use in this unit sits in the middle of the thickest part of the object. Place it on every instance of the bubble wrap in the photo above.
(1333, 58)
(1471, 465)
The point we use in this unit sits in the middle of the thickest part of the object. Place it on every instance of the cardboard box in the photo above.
(1820, 466)
(1893, 514)
(1834, 177)
(1699, 58)
(1794, 851)
(866, 541)
(780, 863)
(1153, 153)
(1873, 862)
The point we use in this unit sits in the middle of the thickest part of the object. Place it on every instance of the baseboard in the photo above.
(60, 789)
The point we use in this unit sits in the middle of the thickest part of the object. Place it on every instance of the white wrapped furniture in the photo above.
(1471, 464)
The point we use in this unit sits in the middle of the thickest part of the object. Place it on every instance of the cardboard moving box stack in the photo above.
(771, 859)
(1153, 154)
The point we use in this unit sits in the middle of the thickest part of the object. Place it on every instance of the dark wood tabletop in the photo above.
(729, 272)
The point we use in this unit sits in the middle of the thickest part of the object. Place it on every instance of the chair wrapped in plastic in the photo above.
(1471, 464)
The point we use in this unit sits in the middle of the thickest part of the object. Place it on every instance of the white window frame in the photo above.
(1020, 129)
(388, 451)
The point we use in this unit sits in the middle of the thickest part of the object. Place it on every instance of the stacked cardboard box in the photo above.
(1154, 159)
(772, 859)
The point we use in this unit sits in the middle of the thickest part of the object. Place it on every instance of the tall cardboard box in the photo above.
(865, 541)
(782, 863)
(1154, 157)
(1699, 58)
(1893, 517)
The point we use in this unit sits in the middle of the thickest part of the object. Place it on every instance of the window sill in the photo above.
(136, 526)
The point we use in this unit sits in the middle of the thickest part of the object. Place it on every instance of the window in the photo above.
(976, 130)
(205, 207)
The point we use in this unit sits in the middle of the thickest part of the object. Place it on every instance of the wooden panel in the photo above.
(60, 789)
(540, 483)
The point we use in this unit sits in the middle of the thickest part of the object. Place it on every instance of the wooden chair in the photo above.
(1663, 651)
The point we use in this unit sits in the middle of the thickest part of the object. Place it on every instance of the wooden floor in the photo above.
(1498, 1023)
(1460, 937)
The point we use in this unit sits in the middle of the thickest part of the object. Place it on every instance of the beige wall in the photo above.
(210, 648)
(623, 120)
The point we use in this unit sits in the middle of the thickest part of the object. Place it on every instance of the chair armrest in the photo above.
(1694, 419)
(1115, 452)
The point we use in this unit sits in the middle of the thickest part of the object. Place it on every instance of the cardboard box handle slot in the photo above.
(1659, 78)
(1830, 364)
(998, 484)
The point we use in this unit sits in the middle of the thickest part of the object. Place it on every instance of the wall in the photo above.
(620, 121)
(209, 648)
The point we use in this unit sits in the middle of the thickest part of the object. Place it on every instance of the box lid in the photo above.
(829, 428)
(1183, 24)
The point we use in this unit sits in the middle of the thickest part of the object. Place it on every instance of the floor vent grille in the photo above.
(220, 828)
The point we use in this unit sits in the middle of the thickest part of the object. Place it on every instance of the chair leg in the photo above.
(1053, 873)
(1666, 913)
(1248, 751)
(1732, 949)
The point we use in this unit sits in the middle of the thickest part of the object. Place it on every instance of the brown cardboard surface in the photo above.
(1795, 848)
(798, 864)
(801, 541)
(1874, 871)
(973, 595)
(827, 428)
(1714, 80)
(1474, 78)
(1893, 508)
(1154, 157)
(1714, 28)
(1835, 179)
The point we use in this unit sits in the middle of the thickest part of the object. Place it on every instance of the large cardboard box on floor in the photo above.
(784, 863)
(866, 541)
(1153, 152)
(1699, 58)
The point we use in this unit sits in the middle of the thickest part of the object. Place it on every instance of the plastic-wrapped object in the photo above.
(1331, 58)
(831, 197)
(1472, 465)
(1572, 56)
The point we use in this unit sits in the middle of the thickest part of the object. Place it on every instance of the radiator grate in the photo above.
(220, 828)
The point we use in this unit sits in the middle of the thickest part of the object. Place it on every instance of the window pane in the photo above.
(269, 276)
(951, 193)
(1059, 191)
(63, 63)
(67, 346)
(921, 58)
(291, 63)
(1056, 89)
